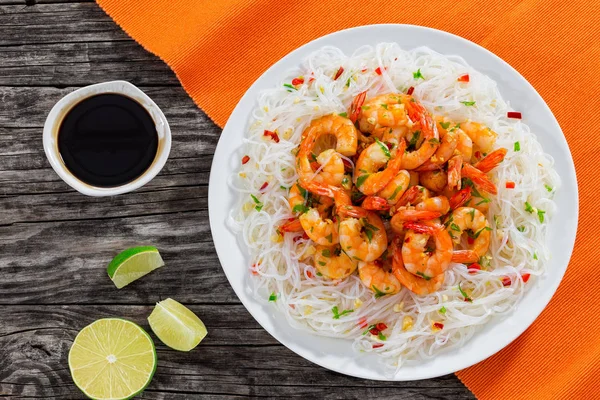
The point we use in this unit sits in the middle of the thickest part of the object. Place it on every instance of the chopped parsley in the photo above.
(301, 208)
(454, 227)
(384, 148)
(361, 179)
(521, 228)
(418, 74)
(483, 201)
(344, 114)
(528, 207)
(378, 293)
(348, 82)
(369, 234)
(283, 187)
(365, 108)
(535, 256)
(384, 106)
(273, 297)
(548, 188)
(443, 310)
(381, 336)
(326, 253)
(434, 141)
(329, 238)
(319, 274)
(322, 263)
(413, 140)
(517, 146)
(422, 275)
(398, 189)
(445, 125)
(468, 103)
(288, 86)
(464, 294)
(259, 205)
(472, 214)
(337, 314)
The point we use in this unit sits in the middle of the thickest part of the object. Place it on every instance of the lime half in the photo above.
(176, 326)
(132, 264)
(112, 358)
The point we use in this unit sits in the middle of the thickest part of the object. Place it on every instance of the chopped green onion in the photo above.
(381, 336)
(422, 275)
(517, 146)
(445, 125)
(326, 253)
(454, 227)
(301, 208)
(464, 294)
(378, 293)
(528, 207)
(418, 74)
(396, 191)
(535, 256)
(344, 114)
(322, 263)
(384, 106)
(468, 103)
(273, 297)
(521, 228)
(540, 214)
(548, 188)
(287, 85)
(434, 141)
(443, 310)
(361, 179)
(337, 314)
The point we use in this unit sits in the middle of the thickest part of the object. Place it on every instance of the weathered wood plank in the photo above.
(56, 23)
(236, 358)
(64, 262)
(81, 64)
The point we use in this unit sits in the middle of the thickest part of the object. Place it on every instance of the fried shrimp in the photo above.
(363, 239)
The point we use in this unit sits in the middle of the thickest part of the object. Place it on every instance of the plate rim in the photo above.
(518, 331)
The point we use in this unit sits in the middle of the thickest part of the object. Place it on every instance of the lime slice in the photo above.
(132, 264)
(112, 358)
(176, 326)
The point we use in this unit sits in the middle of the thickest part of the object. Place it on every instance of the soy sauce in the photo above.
(107, 140)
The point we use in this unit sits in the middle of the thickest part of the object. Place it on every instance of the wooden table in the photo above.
(55, 243)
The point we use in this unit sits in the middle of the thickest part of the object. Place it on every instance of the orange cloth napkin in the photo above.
(218, 48)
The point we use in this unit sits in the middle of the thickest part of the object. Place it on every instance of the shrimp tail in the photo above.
(454, 168)
(428, 166)
(409, 196)
(422, 228)
(465, 256)
(479, 178)
(416, 215)
(293, 225)
(460, 198)
(490, 161)
(356, 105)
(375, 203)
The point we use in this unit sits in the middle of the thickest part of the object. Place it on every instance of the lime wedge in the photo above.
(112, 358)
(132, 264)
(176, 326)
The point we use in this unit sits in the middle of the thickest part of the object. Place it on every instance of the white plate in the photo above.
(337, 354)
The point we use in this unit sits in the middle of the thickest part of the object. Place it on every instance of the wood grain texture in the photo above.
(55, 243)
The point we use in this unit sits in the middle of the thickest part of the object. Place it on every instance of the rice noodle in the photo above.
(518, 239)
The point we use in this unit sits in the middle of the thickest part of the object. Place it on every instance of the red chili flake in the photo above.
(377, 345)
(470, 240)
(510, 185)
(506, 281)
(464, 78)
(362, 322)
(525, 277)
(378, 70)
(381, 326)
(309, 273)
(363, 70)
(292, 306)
(410, 90)
(273, 135)
(297, 81)
(374, 331)
(264, 186)
(338, 73)
(254, 269)
(474, 268)
(438, 325)
(245, 159)
(478, 154)
(315, 165)
(305, 236)
(407, 240)
(513, 114)
(310, 80)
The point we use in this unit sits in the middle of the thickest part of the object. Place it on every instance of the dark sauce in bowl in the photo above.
(107, 140)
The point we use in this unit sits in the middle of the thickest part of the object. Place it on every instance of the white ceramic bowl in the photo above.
(337, 354)
(65, 104)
